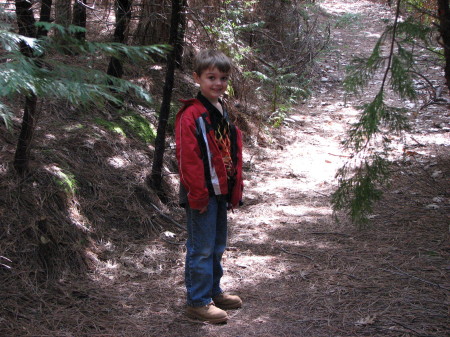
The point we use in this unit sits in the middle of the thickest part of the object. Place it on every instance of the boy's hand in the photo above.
(203, 210)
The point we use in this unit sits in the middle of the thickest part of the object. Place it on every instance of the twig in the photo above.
(166, 217)
(330, 233)
(6, 266)
(435, 101)
(172, 242)
(401, 272)
(322, 194)
(298, 254)
(339, 155)
(407, 327)
(349, 275)
(435, 93)
(391, 53)
(418, 143)
(86, 6)
(313, 320)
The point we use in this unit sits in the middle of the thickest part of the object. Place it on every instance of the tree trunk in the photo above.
(22, 155)
(44, 16)
(25, 22)
(25, 18)
(181, 33)
(444, 29)
(79, 17)
(155, 180)
(153, 26)
(62, 12)
(123, 16)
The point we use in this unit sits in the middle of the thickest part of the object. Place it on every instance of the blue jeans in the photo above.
(207, 238)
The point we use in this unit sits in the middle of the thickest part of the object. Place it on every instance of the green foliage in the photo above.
(410, 31)
(44, 76)
(359, 190)
(346, 20)
(5, 115)
(139, 126)
(130, 124)
(277, 118)
(229, 24)
(111, 126)
(285, 86)
(373, 116)
(361, 70)
(359, 187)
(66, 180)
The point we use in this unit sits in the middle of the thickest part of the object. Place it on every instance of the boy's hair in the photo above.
(206, 59)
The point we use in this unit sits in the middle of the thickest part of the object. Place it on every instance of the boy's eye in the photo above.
(224, 78)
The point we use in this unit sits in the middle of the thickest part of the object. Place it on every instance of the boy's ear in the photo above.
(196, 77)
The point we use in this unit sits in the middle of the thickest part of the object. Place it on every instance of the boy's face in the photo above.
(213, 83)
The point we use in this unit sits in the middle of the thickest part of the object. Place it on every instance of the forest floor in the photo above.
(298, 270)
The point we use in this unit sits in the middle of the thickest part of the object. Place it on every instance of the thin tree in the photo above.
(181, 33)
(46, 7)
(25, 22)
(153, 26)
(63, 12)
(79, 18)
(123, 16)
(444, 29)
(155, 179)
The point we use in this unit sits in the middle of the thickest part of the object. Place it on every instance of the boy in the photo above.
(209, 154)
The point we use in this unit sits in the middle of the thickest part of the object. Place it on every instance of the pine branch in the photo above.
(391, 53)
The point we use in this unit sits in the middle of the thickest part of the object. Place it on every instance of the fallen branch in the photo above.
(417, 142)
(330, 233)
(298, 254)
(401, 272)
(339, 155)
(5, 265)
(172, 242)
(142, 194)
(349, 275)
(408, 328)
(322, 194)
(167, 217)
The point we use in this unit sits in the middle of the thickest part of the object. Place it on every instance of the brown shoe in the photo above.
(227, 301)
(208, 313)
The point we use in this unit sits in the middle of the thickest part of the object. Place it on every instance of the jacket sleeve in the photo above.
(190, 164)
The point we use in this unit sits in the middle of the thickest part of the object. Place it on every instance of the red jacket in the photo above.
(201, 167)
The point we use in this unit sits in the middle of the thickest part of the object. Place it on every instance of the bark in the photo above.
(444, 29)
(123, 16)
(44, 15)
(182, 30)
(25, 18)
(25, 22)
(155, 180)
(79, 17)
(153, 27)
(62, 12)
(22, 154)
